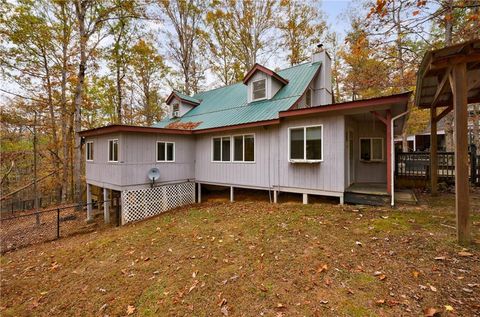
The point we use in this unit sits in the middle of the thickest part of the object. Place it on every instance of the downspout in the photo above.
(392, 153)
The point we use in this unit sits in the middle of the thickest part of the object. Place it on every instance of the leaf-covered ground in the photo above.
(252, 258)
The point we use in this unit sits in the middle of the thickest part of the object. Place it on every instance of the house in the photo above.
(275, 131)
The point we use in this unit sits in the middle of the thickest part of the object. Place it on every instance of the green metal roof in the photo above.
(228, 105)
(186, 97)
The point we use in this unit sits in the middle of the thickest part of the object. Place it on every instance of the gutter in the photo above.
(392, 153)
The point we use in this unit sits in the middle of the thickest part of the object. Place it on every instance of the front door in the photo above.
(351, 161)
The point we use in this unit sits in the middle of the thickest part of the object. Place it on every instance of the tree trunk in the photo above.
(449, 143)
(53, 124)
(63, 101)
(78, 102)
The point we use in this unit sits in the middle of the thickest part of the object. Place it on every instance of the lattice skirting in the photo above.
(145, 203)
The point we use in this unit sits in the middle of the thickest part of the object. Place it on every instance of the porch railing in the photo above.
(417, 165)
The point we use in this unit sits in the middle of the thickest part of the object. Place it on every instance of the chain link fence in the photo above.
(28, 228)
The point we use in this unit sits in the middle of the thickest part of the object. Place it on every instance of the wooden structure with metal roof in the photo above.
(448, 80)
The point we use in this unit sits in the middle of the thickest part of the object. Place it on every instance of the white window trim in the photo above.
(221, 148)
(108, 151)
(304, 160)
(266, 89)
(165, 160)
(243, 154)
(371, 149)
(86, 151)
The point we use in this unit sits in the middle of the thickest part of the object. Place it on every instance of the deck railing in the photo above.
(417, 165)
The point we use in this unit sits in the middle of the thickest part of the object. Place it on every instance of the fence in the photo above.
(145, 203)
(12, 205)
(33, 227)
(417, 165)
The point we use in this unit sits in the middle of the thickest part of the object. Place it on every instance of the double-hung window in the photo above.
(113, 150)
(306, 144)
(165, 151)
(371, 149)
(244, 148)
(89, 151)
(221, 149)
(259, 89)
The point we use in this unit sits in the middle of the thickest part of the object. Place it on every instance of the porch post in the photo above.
(305, 199)
(231, 194)
(389, 151)
(89, 202)
(275, 196)
(199, 193)
(458, 80)
(433, 151)
(106, 206)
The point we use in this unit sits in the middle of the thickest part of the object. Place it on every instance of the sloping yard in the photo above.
(253, 258)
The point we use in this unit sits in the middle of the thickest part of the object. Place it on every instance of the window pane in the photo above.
(314, 143)
(377, 147)
(216, 149)
(226, 149)
(238, 148)
(91, 151)
(296, 144)
(249, 148)
(365, 149)
(110, 150)
(259, 89)
(160, 151)
(169, 151)
(115, 150)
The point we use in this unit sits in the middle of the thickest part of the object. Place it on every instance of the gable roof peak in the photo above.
(263, 69)
(183, 98)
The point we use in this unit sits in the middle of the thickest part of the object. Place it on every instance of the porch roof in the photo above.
(433, 89)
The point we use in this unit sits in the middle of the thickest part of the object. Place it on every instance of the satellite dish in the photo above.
(153, 174)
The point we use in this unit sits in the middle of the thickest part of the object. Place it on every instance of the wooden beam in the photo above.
(379, 117)
(433, 152)
(443, 113)
(440, 87)
(458, 80)
(454, 60)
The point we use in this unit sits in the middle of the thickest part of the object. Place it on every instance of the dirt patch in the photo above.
(252, 258)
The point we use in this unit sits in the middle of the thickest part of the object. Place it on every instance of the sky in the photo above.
(335, 13)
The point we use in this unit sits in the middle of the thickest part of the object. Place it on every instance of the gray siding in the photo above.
(368, 172)
(137, 154)
(325, 176)
(272, 168)
(257, 174)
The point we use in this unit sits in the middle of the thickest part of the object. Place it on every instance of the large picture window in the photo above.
(259, 89)
(306, 144)
(244, 148)
(371, 149)
(165, 151)
(89, 151)
(113, 150)
(221, 149)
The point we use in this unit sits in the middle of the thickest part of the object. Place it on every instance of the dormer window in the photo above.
(259, 89)
(175, 110)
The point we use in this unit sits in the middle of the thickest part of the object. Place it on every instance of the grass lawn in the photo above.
(253, 258)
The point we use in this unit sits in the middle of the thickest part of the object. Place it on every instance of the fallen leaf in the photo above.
(224, 310)
(322, 268)
(433, 288)
(380, 302)
(382, 277)
(359, 243)
(430, 312)
(130, 310)
(415, 274)
(448, 308)
(440, 258)
(465, 253)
